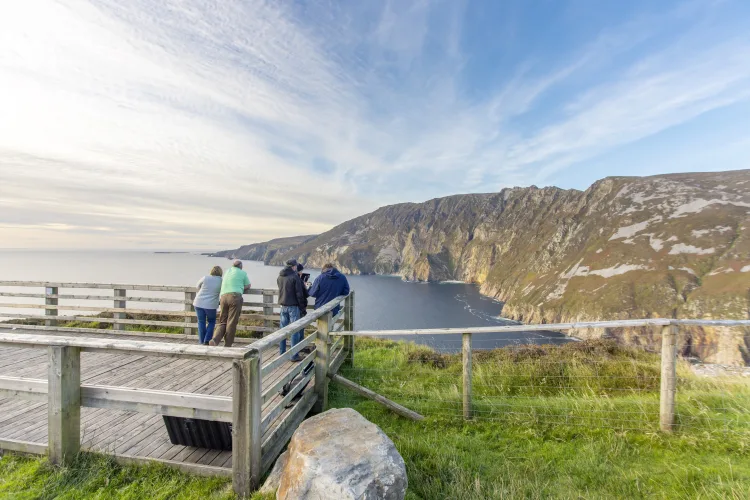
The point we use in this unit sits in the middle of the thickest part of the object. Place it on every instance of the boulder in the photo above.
(271, 485)
(340, 454)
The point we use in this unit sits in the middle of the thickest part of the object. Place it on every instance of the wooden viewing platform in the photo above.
(64, 389)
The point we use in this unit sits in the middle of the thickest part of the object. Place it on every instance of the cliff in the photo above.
(265, 251)
(628, 247)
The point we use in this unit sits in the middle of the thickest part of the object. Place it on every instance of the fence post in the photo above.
(267, 309)
(49, 301)
(246, 425)
(668, 377)
(120, 303)
(466, 344)
(322, 355)
(349, 326)
(64, 404)
(189, 297)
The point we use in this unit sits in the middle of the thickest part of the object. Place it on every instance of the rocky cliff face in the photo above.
(265, 251)
(664, 246)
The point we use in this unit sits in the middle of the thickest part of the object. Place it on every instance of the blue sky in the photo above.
(195, 124)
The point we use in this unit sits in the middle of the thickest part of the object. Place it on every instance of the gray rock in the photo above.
(274, 478)
(341, 455)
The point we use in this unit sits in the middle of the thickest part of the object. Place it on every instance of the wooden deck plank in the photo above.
(17, 363)
(143, 438)
(16, 354)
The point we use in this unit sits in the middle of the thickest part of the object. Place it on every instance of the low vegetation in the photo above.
(577, 421)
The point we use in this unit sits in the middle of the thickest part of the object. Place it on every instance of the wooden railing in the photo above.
(322, 339)
(253, 408)
(65, 395)
(669, 350)
(53, 300)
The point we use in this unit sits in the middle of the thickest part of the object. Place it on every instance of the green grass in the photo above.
(579, 421)
(555, 422)
(96, 476)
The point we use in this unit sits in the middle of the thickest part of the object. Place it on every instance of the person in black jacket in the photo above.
(293, 301)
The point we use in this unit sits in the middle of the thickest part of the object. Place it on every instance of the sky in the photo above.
(190, 124)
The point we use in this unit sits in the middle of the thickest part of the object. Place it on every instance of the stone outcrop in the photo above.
(265, 251)
(340, 454)
(628, 247)
(271, 484)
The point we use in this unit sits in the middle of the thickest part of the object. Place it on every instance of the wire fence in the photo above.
(592, 383)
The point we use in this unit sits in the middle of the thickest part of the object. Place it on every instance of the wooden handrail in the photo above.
(298, 325)
(628, 323)
(121, 286)
(174, 403)
(52, 308)
(140, 347)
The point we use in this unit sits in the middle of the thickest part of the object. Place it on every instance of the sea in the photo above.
(382, 302)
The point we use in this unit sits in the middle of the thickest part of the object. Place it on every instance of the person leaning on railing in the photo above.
(206, 303)
(233, 285)
(293, 302)
(329, 285)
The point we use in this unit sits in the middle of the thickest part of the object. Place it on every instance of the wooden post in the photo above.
(267, 309)
(120, 303)
(668, 377)
(349, 326)
(50, 302)
(189, 297)
(64, 404)
(467, 375)
(246, 425)
(322, 355)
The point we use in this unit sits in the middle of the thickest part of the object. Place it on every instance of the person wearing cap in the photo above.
(234, 283)
(293, 302)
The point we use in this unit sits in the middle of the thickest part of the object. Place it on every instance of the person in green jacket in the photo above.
(234, 283)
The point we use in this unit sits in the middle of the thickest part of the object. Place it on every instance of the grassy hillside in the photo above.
(556, 422)
(578, 421)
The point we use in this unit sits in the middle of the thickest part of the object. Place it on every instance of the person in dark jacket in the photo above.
(306, 285)
(293, 300)
(329, 285)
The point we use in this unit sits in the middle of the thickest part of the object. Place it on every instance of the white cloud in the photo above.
(201, 124)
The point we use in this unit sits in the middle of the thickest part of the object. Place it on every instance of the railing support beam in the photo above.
(466, 350)
(322, 358)
(64, 404)
(189, 298)
(120, 303)
(246, 425)
(50, 302)
(668, 377)
(267, 308)
(349, 326)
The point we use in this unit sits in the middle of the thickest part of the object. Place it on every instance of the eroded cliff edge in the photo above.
(628, 247)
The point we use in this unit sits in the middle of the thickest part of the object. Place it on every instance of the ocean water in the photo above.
(382, 302)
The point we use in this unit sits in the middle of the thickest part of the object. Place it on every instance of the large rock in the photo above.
(341, 455)
(271, 485)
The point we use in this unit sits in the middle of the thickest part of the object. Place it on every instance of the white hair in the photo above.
(237, 263)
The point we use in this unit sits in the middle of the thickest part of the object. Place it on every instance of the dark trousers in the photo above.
(290, 314)
(231, 308)
(206, 324)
